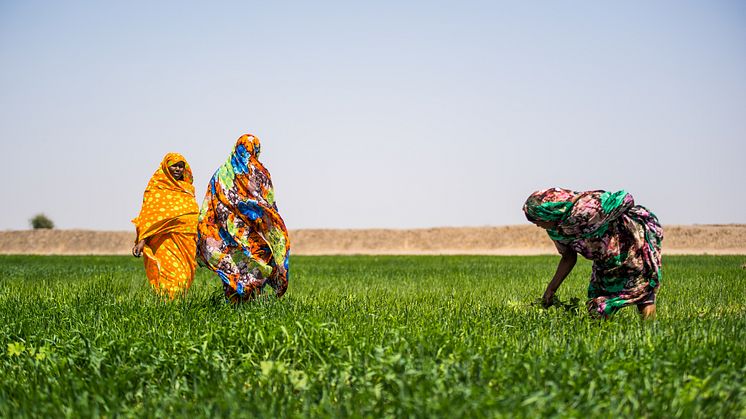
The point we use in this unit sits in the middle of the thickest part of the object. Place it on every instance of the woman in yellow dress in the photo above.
(167, 227)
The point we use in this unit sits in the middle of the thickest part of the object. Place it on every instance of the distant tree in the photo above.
(41, 221)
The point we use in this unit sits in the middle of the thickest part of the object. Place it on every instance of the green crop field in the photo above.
(397, 336)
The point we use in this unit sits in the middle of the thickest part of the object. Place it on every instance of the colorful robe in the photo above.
(622, 239)
(241, 235)
(168, 224)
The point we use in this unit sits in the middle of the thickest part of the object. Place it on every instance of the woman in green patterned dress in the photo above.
(622, 239)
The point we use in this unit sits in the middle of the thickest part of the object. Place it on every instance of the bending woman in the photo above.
(241, 235)
(622, 239)
(167, 227)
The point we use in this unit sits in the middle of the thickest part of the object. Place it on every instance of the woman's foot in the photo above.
(647, 312)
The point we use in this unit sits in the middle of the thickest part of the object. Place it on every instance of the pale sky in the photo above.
(388, 114)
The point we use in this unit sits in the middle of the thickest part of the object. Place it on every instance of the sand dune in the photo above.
(505, 240)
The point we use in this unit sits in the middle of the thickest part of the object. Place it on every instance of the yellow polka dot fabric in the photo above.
(168, 224)
(170, 263)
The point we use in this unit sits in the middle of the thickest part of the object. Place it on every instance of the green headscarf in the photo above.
(549, 204)
(578, 215)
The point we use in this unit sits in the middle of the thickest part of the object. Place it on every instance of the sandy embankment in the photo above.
(507, 240)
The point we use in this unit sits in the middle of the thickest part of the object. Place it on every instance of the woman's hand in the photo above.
(569, 257)
(548, 299)
(137, 250)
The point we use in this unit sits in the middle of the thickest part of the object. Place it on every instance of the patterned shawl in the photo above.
(168, 205)
(244, 186)
(577, 214)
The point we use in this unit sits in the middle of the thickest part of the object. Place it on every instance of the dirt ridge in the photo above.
(503, 240)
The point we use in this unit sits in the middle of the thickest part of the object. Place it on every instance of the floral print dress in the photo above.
(622, 239)
(241, 235)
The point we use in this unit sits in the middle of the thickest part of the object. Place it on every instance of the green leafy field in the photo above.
(368, 336)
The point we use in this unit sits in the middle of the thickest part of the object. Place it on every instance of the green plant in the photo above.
(41, 221)
(368, 336)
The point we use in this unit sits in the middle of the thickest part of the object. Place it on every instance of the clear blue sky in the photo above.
(376, 114)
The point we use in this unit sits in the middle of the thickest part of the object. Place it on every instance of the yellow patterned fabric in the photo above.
(168, 224)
